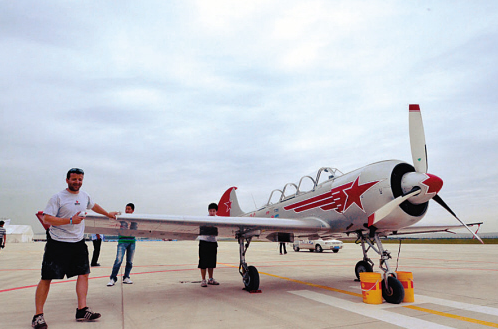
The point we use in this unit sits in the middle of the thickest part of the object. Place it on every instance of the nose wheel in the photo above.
(250, 275)
(362, 266)
(392, 290)
(251, 279)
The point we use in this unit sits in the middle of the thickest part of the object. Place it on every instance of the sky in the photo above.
(166, 104)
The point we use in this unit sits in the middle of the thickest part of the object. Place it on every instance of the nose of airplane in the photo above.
(429, 185)
(434, 184)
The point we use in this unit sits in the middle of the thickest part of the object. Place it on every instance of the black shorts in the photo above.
(207, 254)
(64, 258)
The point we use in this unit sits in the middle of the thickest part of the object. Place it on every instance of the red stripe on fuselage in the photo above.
(327, 200)
(308, 201)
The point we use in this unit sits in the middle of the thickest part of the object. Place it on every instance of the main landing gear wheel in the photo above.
(394, 293)
(251, 279)
(362, 266)
(318, 248)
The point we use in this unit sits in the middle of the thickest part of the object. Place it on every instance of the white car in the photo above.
(318, 245)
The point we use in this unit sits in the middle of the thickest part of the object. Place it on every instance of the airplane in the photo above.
(381, 199)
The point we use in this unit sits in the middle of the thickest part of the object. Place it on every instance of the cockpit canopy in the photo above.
(306, 184)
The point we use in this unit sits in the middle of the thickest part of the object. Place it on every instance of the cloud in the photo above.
(169, 103)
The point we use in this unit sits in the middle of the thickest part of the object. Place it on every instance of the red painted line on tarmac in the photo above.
(102, 276)
(259, 264)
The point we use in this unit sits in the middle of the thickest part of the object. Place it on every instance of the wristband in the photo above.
(71, 220)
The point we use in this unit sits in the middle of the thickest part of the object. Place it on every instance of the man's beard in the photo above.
(74, 188)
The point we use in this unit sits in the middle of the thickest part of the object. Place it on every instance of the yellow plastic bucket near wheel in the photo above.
(406, 279)
(371, 288)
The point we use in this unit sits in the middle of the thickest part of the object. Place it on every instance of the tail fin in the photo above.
(229, 205)
(39, 215)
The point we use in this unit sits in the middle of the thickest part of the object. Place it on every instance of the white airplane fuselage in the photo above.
(344, 202)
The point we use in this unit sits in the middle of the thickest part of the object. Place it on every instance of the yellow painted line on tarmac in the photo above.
(314, 285)
(421, 309)
(453, 316)
(306, 283)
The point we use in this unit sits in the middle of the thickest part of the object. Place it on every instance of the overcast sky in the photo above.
(168, 103)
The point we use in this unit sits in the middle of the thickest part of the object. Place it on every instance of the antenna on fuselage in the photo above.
(254, 201)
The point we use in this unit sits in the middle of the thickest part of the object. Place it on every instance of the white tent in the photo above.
(19, 233)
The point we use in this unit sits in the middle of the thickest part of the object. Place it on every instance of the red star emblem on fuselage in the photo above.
(355, 192)
(339, 198)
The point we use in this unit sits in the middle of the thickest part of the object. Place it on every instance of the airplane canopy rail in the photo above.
(332, 174)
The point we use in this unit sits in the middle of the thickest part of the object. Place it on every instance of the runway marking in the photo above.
(314, 285)
(373, 311)
(459, 305)
(453, 316)
(425, 299)
(421, 299)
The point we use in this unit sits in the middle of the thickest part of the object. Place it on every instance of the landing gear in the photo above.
(251, 279)
(362, 266)
(250, 275)
(392, 290)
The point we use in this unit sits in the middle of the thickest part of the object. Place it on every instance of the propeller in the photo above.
(419, 155)
(417, 139)
(438, 199)
(390, 206)
(419, 185)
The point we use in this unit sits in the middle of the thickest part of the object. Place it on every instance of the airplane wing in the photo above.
(415, 229)
(188, 227)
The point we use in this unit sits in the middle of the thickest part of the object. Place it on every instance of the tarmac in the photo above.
(456, 286)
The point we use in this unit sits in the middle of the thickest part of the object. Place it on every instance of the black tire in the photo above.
(394, 293)
(296, 248)
(335, 251)
(251, 279)
(318, 248)
(362, 266)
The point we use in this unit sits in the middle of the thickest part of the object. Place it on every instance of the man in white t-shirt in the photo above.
(66, 253)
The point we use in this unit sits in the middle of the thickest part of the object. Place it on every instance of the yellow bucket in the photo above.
(371, 288)
(406, 279)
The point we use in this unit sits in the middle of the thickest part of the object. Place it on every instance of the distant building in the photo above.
(19, 233)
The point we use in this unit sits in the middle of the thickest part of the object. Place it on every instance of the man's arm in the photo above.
(99, 210)
(52, 220)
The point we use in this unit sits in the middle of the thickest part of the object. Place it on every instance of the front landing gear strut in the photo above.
(392, 290)
(250, 275)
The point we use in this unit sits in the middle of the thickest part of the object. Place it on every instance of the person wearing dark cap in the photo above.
(208, 249)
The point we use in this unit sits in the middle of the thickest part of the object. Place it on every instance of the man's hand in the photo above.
(113, 214)
(77, 218)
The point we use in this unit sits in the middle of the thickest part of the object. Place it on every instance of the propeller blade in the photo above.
(438, 199)
(390, 206)
(417, 139)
